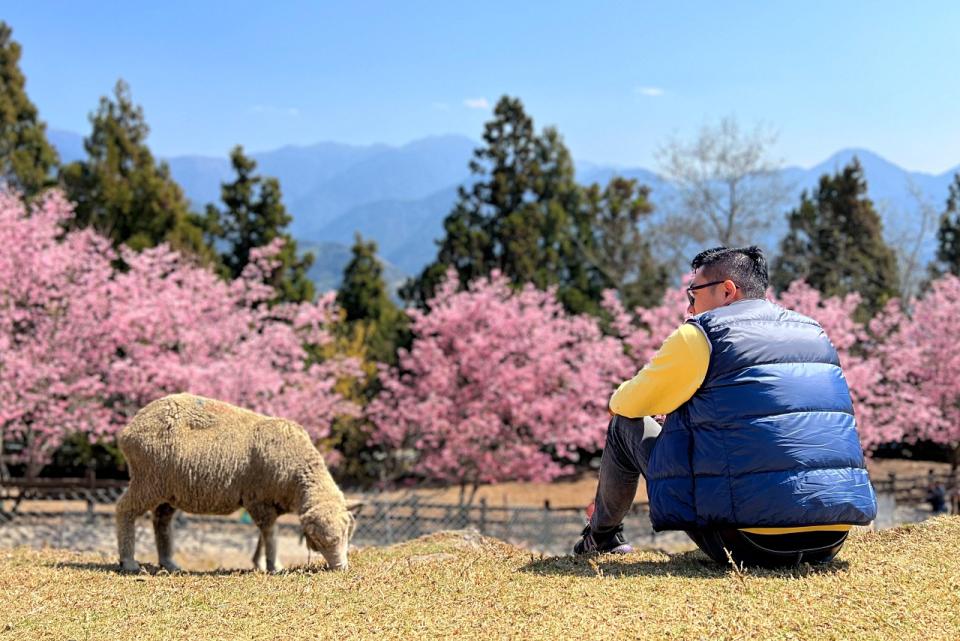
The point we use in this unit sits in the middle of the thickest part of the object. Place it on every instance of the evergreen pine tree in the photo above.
(373, 331)
(368, 310)
(948, 235)
(253, 217)
(363, 295)
(835, 243)
(122, 192)
(27, 161)
(517, 216)
(615, 253)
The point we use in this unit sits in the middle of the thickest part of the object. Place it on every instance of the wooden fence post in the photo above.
(954, 485)
(415, 517)
(378, 516)
(91, 488)
(483, 515)
(389, 524)
(547, 523)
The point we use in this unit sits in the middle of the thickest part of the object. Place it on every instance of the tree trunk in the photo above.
(33, 468)
(466, 499)
(4, 472)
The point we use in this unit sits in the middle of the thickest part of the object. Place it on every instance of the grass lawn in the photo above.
(896, 584)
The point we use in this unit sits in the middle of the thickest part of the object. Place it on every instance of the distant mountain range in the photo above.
(399, 196)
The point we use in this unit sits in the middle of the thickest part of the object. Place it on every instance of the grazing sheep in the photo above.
(204, 456)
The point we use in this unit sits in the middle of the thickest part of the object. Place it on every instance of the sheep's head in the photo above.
(327, 530)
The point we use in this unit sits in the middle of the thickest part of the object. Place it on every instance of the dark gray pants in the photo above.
(627, 451)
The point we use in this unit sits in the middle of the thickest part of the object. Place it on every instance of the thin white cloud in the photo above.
(651, 92)
(476, 103)
(271, 110)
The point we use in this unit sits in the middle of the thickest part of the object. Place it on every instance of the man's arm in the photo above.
(671, 377)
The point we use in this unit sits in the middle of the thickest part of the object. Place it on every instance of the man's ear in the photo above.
(729, 288)
(354, 507)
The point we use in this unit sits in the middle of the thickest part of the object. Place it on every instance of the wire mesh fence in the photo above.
(53, 512)
(546, 529)
(78, 513)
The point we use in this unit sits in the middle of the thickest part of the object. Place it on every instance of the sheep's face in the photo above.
(328, 532)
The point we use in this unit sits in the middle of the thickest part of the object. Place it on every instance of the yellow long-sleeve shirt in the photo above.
(669, 380)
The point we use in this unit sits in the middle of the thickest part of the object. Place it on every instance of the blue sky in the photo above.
(616, 78)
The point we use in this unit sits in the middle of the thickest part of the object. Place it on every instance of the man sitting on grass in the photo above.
(759, 459)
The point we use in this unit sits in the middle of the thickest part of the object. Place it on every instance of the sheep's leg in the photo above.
(265, 558)
(259, 558)
(163, 533)
(270, 543)
(131, 505)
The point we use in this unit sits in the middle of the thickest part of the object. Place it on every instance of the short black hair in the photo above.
(745, 266)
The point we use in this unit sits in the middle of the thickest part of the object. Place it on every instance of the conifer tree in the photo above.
(948, 235)
(363, 294)
(27, 161)
(367, 306)
(254, 216)
(616, 254)
(372, 332)
(835, 243)
(121, 191)
(517, 216)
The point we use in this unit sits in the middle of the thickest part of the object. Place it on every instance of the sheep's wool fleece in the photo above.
(206, 456)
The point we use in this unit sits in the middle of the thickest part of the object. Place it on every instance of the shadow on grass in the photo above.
(150, 569)
(686, 564)
(146, 569)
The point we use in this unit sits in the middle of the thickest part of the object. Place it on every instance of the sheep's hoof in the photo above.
(131, 567)
(169, 566)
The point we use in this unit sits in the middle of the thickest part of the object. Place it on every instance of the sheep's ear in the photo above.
(354, 507)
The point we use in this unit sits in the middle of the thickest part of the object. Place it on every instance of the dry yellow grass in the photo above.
(896, 584)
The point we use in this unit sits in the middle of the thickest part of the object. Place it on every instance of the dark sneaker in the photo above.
(612, 542)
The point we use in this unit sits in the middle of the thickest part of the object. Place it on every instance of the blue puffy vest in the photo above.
(769, 439)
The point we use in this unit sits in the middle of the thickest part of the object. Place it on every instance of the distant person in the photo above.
(937, 497)
(954, 492)
(759, 457)
(936, 494)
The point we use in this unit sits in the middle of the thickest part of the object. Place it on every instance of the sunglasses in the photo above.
(693, 288)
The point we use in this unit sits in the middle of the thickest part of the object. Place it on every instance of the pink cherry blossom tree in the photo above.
(83, 346)
(921, 365)
(498, 385)
(54, 328)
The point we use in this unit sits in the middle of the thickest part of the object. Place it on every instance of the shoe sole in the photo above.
(626, 548)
